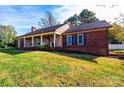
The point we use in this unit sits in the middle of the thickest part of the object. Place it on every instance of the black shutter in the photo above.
(66, 41)
(73, 39)
(84, 39)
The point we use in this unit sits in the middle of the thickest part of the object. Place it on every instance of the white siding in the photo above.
(116, 46)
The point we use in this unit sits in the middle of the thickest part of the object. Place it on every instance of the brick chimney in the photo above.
(70, 24)
(33, 29)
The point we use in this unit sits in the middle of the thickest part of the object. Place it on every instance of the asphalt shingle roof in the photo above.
(74, 28)
(89, 26)
(44, 30)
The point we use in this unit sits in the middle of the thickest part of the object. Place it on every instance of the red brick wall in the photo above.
(96, 43)
(22, 43)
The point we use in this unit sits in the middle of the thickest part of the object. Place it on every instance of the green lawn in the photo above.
(58, 69)
(118, 50)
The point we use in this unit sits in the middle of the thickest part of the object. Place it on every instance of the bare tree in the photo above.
(48, 20)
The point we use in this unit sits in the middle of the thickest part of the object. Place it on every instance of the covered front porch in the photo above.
(52, 40)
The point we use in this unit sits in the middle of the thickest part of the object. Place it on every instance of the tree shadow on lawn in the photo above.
(13, 51)
(77, 55)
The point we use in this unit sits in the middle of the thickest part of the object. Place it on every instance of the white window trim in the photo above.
(78, 39)
(67, 39)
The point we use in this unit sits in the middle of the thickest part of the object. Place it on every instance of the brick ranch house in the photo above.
(89, 38)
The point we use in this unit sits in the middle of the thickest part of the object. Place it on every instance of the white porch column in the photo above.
(41, 40)
(18, 43)
(61, 41)
(54, 40)
(32, 41)
(24, 43)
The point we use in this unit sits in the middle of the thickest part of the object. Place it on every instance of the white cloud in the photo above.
(104, 12)
(22, 19)
(65, 12)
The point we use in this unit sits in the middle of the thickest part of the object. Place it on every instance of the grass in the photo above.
(40, 68)
(118, 50)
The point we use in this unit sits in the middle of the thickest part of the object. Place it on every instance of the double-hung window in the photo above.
(69, 40)
(80, 39)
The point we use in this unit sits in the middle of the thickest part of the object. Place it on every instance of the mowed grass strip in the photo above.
(40, 68)
(118, 50)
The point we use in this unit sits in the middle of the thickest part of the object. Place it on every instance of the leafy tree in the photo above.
(87, 16)
(48, 20)
(7, 35)
(73, 19)
(121, 37)
(116, 33)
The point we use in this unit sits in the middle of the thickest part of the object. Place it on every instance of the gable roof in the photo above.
(43, 30)
(89, 26)
(74, 28)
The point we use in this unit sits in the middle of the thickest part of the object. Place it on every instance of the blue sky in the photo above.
(23, 17)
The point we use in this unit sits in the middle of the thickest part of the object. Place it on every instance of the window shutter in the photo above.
(76, 39)
(65, 41)
(84, 39)
(73, 39)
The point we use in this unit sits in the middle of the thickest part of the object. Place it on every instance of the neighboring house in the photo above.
(90, 38)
